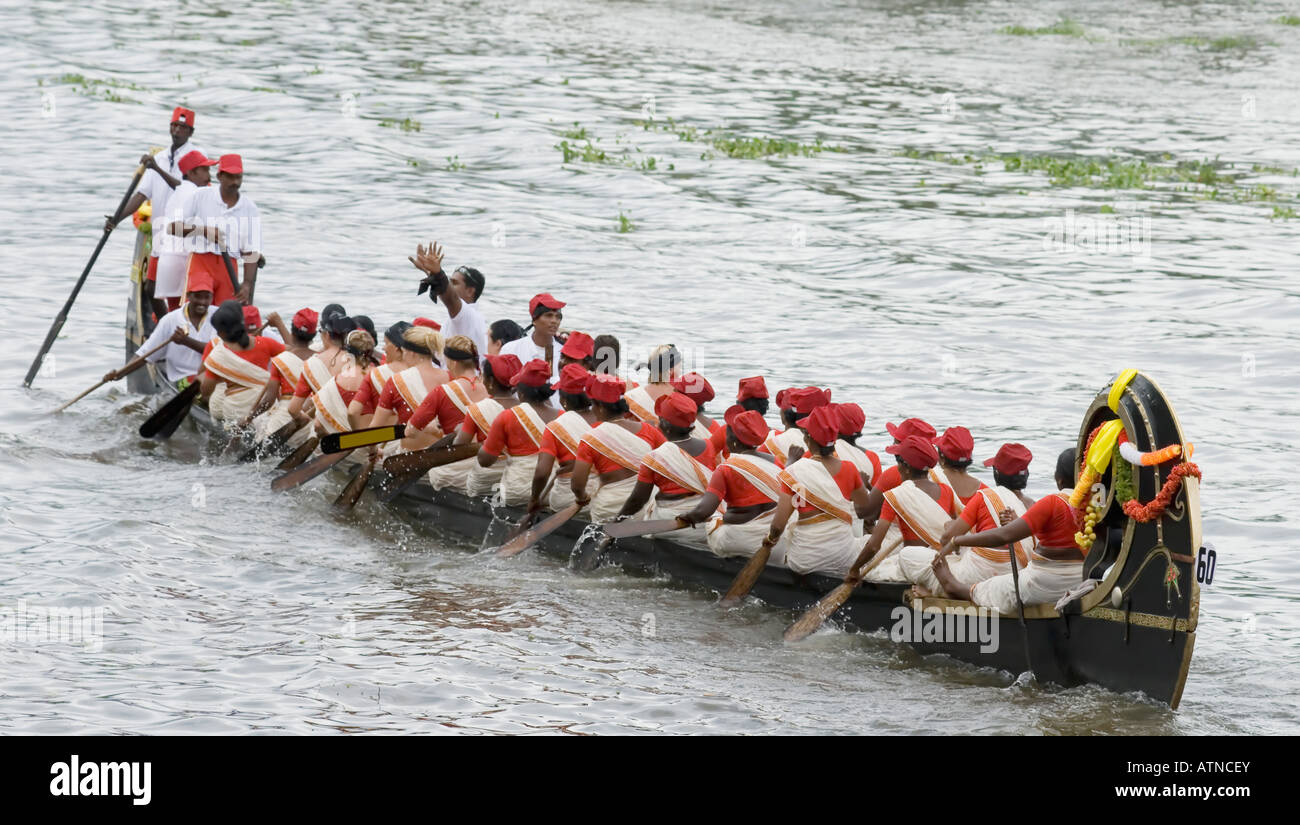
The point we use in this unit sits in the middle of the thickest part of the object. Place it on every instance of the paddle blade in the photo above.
(338, 442)
(536, 534)
(818, 614)
(586, 559)
(164, 422)
(747, 577)
(352, 492)
(298, 456)
(633, 527)
(308, 471)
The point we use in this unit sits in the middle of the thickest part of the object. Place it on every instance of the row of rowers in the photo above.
(550, 434)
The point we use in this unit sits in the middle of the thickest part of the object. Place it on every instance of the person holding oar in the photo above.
(466, 475)
(560, 441)
(335, 325)
(447, 404)
(795, 404)
(159, 183)
(224, 226)
(751, 394)
(664, 367)
(410, 385)
(189, 329)
(890, 477)
(852, 419)
(613, 450)
(955, 447)
(697, 388)
(919, 506)
(271, 412)
(235, 365)
(517, 433)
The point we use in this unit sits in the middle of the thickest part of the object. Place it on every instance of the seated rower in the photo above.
(680, 468)
(578, 349)
(613, 449)
(795, 405)
(321, 367)
(336, 392)
(271, 412)
(361, 409)
(1055, 565)
(826, 493)
(189, 328)
(889, 477)
(987, 509)
(235, 366)
(444, 408)
(560, 442)
(852, 419)
(665, 366)
(466, 475)
(749, 485)
(956, 446)
(751, 394)
(697, 388)
(517, 433)
(406, 390)
(918, 506)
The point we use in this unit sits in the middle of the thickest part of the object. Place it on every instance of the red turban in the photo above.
(605, 388)
(199, 281)
(752, 388)
(807, 399)
(695, 387)
(428, 322)
(676, 408)
(1011, 459)
(536, 373)
(851, 418)
(748, 426)
(916, 451)
(579, 345)
(305, 319)
(956, 444)
(252, 318)
(912, 426)
(823, 425)
(504, 368)
(573, 379)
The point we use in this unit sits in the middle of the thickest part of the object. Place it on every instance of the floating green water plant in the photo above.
(406, 124)
(1065, 27)
(100, 88)
(736, 146)
(625, 223)
(1288, 20)
(454, 164)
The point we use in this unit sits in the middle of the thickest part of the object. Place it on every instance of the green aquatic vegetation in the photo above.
(406, 124)
(99, 88)
(625, 223)
(1240, 41)
(1065, 26)
(578, 132)
(1284, 213)
(268, 89)
(1288, 20)
(1107, 209)
(413, 162)
(588, 152)
(735, 146)
(454, 164)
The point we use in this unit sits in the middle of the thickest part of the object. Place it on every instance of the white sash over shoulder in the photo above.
(617, 444)
(483, 413)
(673, 462)
(224, 363)
(290, 366)
(641, 405)
(764, 475)
(569, 429)
(812, 482)
(532, 423)
(410, 385)
(922, 514)
(997, 499)
(379, 377)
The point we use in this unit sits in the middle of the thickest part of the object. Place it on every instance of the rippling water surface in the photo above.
(912, 285)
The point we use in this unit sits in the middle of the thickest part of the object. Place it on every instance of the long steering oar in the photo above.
(806, 624)
(230, 271)
(164, 422)
(404, 469)
(119, 374)
(62, 317)
(535, 534)
(1020, 604)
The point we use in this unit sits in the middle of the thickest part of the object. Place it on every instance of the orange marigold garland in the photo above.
(1155, 508)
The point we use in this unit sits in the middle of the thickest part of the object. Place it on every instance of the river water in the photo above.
(961, 292)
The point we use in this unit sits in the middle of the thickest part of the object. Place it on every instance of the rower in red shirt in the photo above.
(852, 419)
(517, 432)
(889, 476)
(234, 365)
(795, 404)
(751, 394)
(446, 405)
(613, 449)
(407, 388)
(697, 388)
(466, 475)
(680, 468)
(561, 440)
(956, 446)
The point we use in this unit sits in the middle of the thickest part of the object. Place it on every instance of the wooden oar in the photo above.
(587, 561)
(272, 442)
(305, 473)
(230, 271)
(348, 498)
(336, 442)
(299, 455)
(62, 317)
(404, 469)
(634, 527)
(1024, 629)
(120, 374)
(539, 532)
(747, 577)
(806, 624)
(169, 416)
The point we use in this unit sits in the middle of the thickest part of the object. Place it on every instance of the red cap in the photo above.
(747, 426)
(676, 408)
(504, 368)
(912, 426)
(695, 387)
(579, 345)
(956, 444)
(230, 164)
(916, 451)
(823, 425)
(1011, 459)
(807, 399)
(252, 318)
(182, 115)
(200, 281)
(754, 387)
(427, 322)
(546, 300)
(605, 388)
(305, 319)
(194, 159)
(536, 373)
(851, 418)
(573, 379)
(783, 398)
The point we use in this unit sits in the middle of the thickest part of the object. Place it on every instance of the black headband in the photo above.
(414, 347)
(394, 333)
(457, 354)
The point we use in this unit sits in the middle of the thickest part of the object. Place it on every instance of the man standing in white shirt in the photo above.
(459, 293)
(222, 224)
(189, 328)
(156, 187)
(541, 343)
(172, 254)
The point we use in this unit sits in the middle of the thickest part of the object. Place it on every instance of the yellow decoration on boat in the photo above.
(1103, 446)
(1117, 388)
